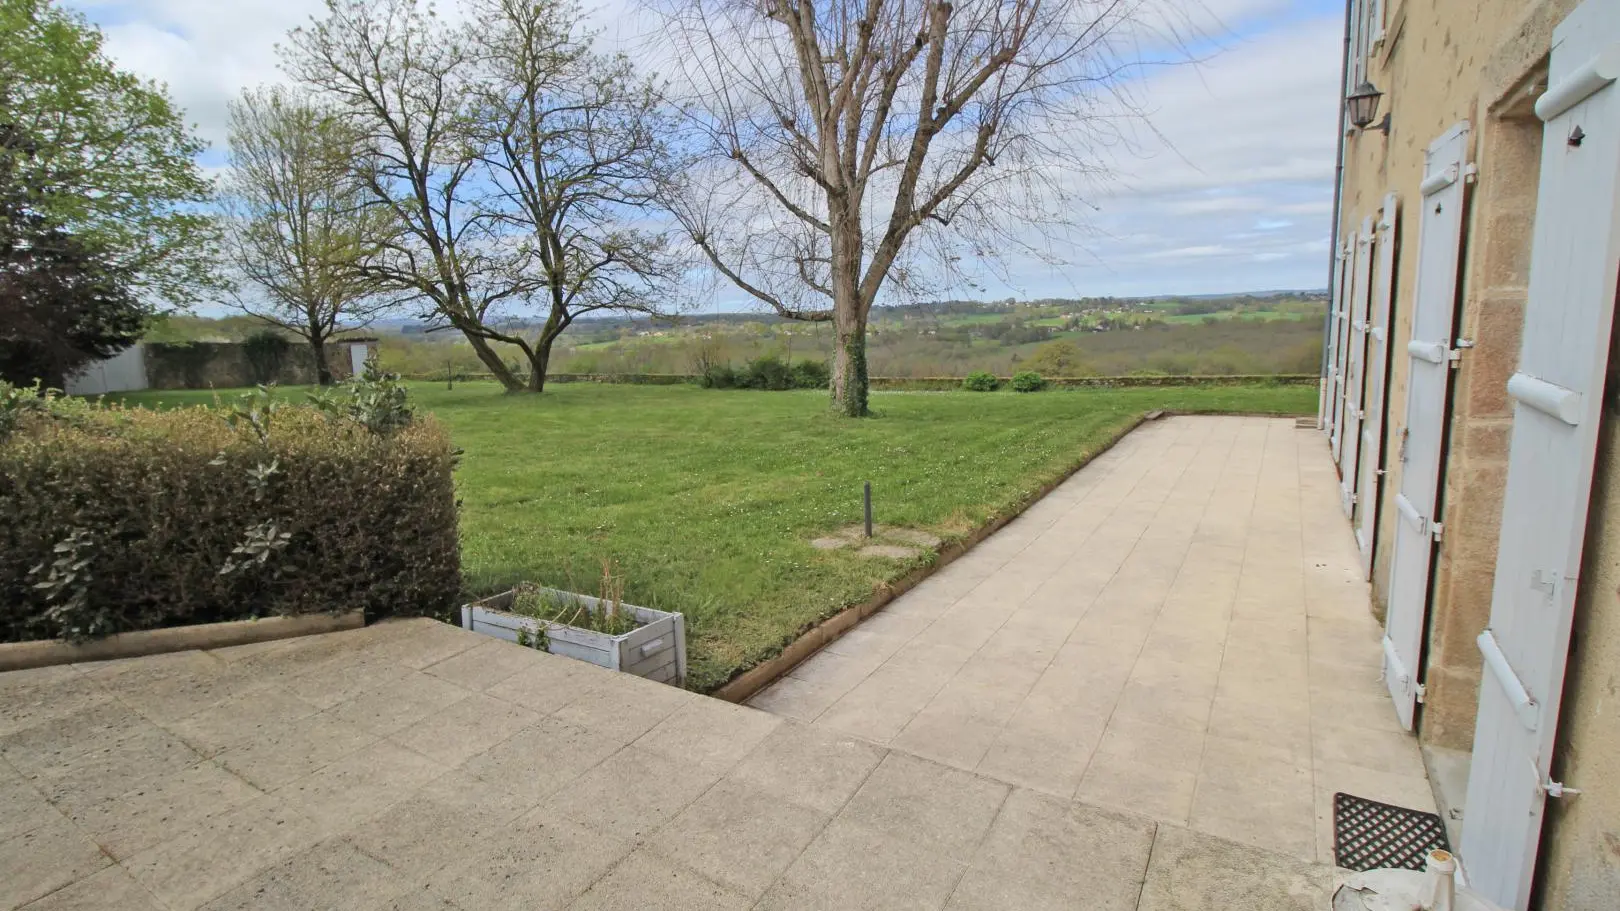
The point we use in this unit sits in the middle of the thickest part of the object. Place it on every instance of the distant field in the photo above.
(1263, 316)
(706, 501)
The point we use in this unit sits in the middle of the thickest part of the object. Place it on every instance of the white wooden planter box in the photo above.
(655, 650)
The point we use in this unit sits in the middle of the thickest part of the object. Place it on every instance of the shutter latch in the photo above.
(1436, 529)
(1558, 789)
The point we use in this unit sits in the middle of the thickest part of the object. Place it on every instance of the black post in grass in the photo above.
(869, 509)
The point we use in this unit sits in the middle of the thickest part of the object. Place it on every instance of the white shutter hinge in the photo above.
(1420, 691)
(1471, 172)
(1437, 529)
(1558, 789)
(1454, 354)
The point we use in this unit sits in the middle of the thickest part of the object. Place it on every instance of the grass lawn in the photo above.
(706, 501)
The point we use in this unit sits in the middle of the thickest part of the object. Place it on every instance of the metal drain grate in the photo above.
(1368, 835)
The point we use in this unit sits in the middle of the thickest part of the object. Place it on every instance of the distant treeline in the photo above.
(1094, 336)
(1204, 349)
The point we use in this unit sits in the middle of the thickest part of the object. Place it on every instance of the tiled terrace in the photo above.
(1167, 657)
(1180, 630)
(413, 766)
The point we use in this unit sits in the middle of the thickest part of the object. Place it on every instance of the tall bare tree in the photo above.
(298, 225)
(512, 157)
(401, 79)
(849, 146)
(573, 143)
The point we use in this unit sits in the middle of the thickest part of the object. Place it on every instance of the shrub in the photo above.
(768, 372)
(124, 519)
(719, 376)
(811, 375)
(377, 403)
(1027, 381)
(981, 381)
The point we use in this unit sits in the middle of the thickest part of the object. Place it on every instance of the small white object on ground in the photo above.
(1435, 889)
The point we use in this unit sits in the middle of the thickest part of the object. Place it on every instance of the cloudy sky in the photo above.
(1230, 191)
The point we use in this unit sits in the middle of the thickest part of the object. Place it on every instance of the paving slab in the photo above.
(1193, 870)
(44, 859)
(1175, 627)
(1028, 859)
(740, 835)
(852, 867)
(548, 783)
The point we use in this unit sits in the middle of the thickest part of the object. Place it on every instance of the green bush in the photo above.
(124, 519)
(981, 381)
(811, 375)
(1027, 381)
(719, 376)
(768, 372)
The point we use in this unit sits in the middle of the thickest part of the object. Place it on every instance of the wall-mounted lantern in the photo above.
(1362, 106)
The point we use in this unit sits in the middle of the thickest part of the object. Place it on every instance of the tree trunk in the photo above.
(539, 362)
(323, 370)
(492, 360)
(849, 380)
(849, 383)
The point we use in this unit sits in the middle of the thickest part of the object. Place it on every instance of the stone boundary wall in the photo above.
(927, 383)
(226, 365)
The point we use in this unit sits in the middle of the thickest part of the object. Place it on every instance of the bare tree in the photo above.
(511, 156)
(573, 143)
(402, 80)
(298, 227)
(854, 145)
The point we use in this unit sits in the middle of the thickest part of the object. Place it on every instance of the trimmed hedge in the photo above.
(126, 519)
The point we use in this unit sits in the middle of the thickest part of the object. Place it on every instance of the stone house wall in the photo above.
(1484, 61)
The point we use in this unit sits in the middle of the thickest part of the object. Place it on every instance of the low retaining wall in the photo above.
(17, 656)
(927, 383)
(951, 383)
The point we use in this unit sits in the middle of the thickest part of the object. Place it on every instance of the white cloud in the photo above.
(1230, 190)
(1236, 186)
(206, 51)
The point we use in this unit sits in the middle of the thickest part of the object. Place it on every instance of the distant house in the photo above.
(1469, 351)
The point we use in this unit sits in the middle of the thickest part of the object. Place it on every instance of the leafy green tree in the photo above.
(61, 303)
(1057, 358)
(109, 159)
(299, 229)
